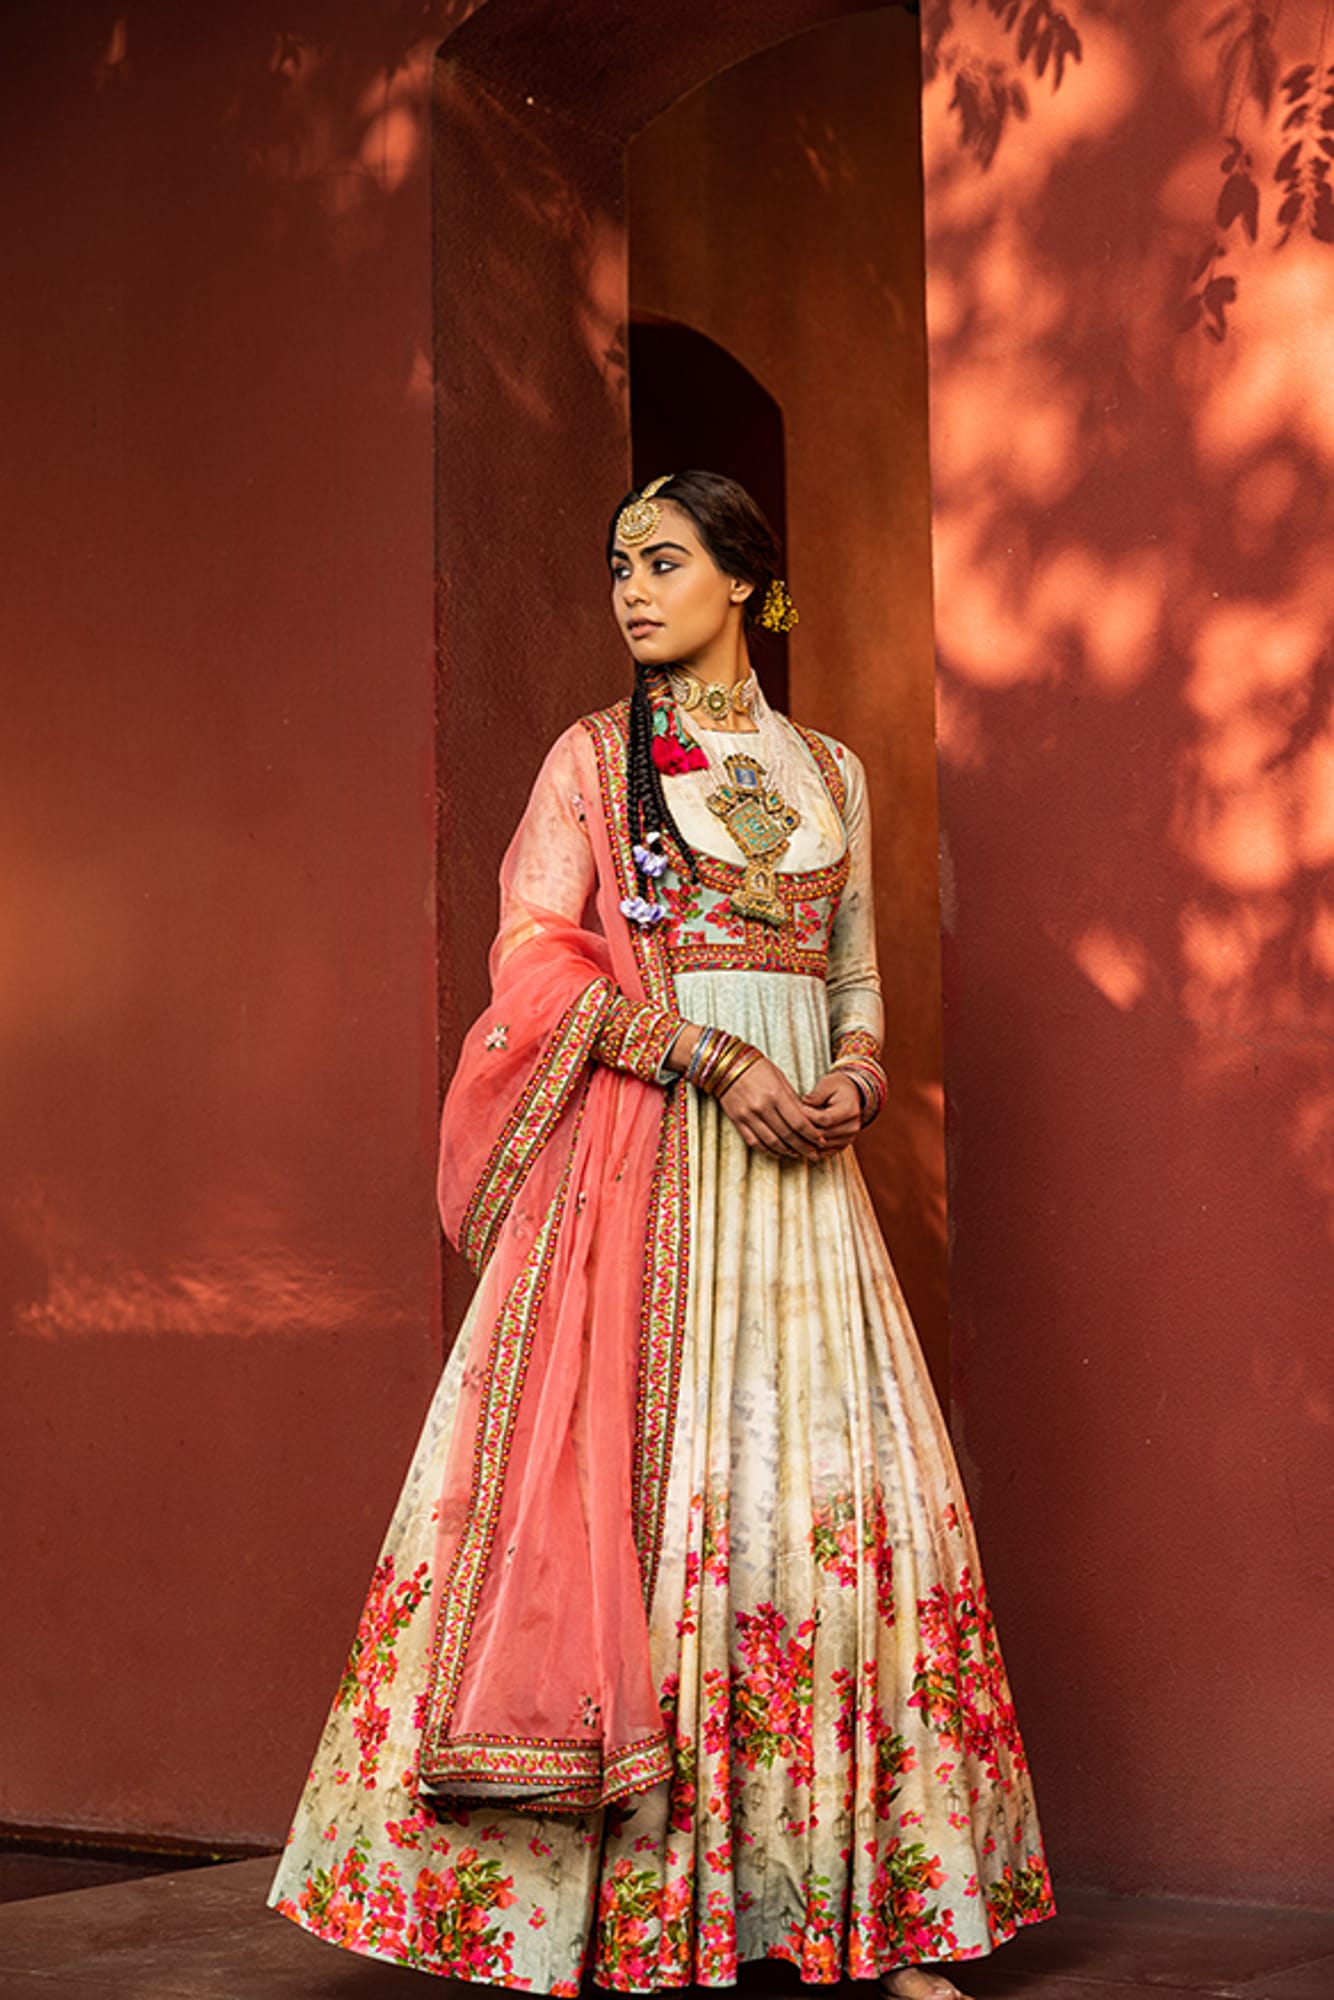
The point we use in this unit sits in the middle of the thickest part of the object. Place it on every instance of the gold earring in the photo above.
(778, 613)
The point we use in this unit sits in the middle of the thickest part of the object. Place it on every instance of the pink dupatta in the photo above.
(562, 1180)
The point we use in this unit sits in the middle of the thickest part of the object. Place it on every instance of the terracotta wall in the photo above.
(778, 211)
(1132, 449)
(219, 986)
(218, 1246)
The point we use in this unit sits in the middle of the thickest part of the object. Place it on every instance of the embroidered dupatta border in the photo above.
(565, 1774)
(667, 1241)
(507, 1366)
(530, 1124)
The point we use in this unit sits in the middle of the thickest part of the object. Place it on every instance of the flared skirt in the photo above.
(850, 1789)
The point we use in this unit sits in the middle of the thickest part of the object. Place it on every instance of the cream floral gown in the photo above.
(850, 1788)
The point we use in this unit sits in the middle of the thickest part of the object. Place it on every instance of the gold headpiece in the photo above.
(778, 613)
(638, 518)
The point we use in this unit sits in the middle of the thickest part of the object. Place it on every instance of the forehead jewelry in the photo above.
(638, 518)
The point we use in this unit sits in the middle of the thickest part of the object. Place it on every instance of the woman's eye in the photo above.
(662, 563)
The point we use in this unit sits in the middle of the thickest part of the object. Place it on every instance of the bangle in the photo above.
(871, 1081)
(728, 1060)
(721, 1050)
(734, 1071)
(698, 1055)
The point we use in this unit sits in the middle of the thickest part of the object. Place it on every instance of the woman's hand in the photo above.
(771, 1117)
(835, 1107)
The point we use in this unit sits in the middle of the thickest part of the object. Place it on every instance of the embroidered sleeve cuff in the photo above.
(637, 1037)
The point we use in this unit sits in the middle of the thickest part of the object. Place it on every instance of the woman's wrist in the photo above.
(710, 1058)
(871, 1082)
(683, 1047)
(719, 1060)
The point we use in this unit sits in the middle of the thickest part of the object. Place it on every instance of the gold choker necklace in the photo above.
(716, 701)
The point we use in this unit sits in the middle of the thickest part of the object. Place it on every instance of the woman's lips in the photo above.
(638, 626)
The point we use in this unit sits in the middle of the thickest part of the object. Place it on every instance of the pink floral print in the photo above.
(440, 1919)
(372, 1662)
(959, 1679)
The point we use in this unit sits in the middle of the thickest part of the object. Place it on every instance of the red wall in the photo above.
(218, 1246)
(1131, 535)
(219, 985)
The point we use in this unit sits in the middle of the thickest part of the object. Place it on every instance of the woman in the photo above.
(678, 1652)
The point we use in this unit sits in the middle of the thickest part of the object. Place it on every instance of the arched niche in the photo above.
(693, 403)
(538, 110)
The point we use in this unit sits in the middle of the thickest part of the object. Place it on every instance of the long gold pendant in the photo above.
(762, 823)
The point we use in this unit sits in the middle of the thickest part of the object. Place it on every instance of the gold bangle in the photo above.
(732, 1072)
(718, 1056)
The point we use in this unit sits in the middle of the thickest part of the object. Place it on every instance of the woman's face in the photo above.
(669, 597)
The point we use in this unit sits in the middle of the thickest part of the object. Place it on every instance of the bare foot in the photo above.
(916, 1982)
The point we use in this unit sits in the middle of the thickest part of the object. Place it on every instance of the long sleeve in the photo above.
(550, 871)
(855, 1004)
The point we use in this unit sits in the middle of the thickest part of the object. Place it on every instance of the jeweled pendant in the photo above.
(762, 823)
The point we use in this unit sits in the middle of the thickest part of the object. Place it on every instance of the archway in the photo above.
(540, 111)
(694, 403)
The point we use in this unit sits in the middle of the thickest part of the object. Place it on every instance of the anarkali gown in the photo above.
(841, 1779)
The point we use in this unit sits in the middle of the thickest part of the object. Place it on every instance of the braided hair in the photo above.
(742, 544)
(649, 810)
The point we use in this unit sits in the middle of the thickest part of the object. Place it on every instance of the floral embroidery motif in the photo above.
(498, 1038)
(667, 1249)
(530, 1123)
(663, 1331)
(574, 1773)
(704, 933)
(636, 1037)
(510, 1348)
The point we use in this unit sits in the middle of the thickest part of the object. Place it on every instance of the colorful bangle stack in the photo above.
(859, 1057)
(717, 1060)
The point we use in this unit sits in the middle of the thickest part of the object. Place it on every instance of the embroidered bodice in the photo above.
(823, 881)
(824, 877)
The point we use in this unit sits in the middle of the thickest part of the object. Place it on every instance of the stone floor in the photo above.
(205, 1934)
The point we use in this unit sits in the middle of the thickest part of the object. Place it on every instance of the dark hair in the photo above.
(742, 544)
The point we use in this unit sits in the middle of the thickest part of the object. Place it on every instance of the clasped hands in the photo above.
(770, 1116)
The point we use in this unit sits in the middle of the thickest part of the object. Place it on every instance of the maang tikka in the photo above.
(639, 518)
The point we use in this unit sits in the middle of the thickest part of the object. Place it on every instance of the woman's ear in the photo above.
(741, 590)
